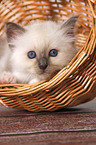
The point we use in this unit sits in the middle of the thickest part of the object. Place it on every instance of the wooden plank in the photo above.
(47, 122)
(70, 126)
(14, 113)
(67, 138)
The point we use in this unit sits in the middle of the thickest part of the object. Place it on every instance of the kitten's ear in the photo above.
(13, 30)
(69, 25)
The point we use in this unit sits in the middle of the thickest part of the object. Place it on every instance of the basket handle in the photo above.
(91, 7)
(94, 15)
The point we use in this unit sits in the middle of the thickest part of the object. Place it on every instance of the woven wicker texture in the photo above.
(74, 84)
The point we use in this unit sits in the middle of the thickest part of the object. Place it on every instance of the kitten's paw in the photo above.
(34, 81)
(7, 78)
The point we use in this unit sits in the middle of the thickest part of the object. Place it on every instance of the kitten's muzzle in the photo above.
(43, 63)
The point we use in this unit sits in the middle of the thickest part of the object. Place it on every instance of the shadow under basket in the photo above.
(75, 83)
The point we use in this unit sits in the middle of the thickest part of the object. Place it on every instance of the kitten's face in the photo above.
(42, 49)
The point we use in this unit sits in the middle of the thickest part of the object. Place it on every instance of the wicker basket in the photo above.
(75, 83)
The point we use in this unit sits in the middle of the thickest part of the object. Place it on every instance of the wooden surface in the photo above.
(72, 126)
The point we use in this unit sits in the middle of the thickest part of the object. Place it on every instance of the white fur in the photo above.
(40, 37)
(4, 58)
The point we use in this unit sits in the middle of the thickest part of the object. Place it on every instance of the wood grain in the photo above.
(57, 138)
(47, 123)
(71, 126)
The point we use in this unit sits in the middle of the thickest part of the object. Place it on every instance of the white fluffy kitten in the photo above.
(38, 51)
(4, 62)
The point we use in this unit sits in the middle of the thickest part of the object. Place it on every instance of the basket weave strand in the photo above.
(75, 83)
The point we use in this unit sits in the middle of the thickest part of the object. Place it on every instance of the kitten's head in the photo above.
(43, 48)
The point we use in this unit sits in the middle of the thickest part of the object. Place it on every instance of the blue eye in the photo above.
(31, 54)
(53, 53)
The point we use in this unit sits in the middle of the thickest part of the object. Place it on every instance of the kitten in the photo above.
(4, 62)
(39, 51)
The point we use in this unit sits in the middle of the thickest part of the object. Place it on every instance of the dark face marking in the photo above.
(43, 62)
